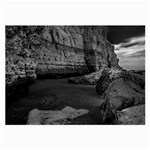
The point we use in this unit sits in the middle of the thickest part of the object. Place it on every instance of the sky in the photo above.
(129, 42)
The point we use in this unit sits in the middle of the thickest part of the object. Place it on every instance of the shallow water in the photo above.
(51, 94)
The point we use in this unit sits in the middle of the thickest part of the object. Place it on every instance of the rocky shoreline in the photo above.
(121, 92)
(82, 54)
(120, 89)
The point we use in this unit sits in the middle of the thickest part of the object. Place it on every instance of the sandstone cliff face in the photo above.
(69, 50)
(98, 51)
(61, 52)
(55, 51)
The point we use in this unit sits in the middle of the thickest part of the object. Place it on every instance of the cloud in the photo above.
(131, 53)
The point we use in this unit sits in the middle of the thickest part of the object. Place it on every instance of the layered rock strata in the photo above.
(75, 50)
(55, 51)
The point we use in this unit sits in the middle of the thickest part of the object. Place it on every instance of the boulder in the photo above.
(45, 117)
(122, 94)
(132, 116)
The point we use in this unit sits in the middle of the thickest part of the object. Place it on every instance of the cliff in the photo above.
(55, 51)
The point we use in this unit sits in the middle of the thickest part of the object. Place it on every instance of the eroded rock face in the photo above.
(46, 117)
(74, 50)
(98, 51)
(132, 116)
(20, 67)
(55, 51)
(62, 50)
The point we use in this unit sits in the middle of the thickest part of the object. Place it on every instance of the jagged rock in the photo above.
(119, 89)
(121, 93)
(108, 75)
(89, 79)
(44, 117)
(132, 116)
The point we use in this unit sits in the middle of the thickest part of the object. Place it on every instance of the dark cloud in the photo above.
(134, 42)
(129, 44)
(118, 34)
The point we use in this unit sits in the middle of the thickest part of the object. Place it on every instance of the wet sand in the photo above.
(52, 94)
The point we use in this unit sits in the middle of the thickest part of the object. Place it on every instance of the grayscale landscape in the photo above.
(75, 75)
